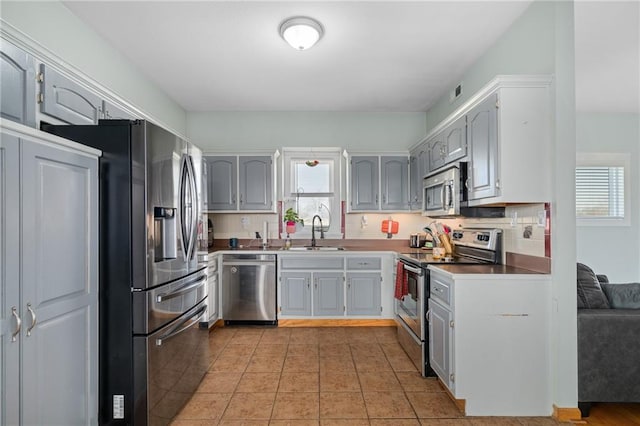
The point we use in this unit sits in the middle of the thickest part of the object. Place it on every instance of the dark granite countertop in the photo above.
(484, 269)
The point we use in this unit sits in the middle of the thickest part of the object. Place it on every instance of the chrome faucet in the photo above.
(313, 230)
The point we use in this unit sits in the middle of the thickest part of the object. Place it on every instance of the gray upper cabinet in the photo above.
(17, 85)
(255, 191)
(113, 112)
(222, 184)
(56, 297)
(417, 169)
(483, 146)
(455, 139)
(394, 183)
(328, 294)
(437, 152)
(364, 183)
(448, 145)
(66, 100)
(363, 293)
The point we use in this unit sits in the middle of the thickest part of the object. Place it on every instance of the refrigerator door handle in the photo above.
(193, 225)
(182, 210)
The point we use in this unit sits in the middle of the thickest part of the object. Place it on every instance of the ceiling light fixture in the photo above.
(301, 32)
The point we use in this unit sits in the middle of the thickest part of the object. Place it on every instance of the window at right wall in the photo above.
(602, 189)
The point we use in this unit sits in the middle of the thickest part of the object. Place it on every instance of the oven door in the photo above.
(410, 308)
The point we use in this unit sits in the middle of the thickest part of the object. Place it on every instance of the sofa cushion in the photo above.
(623, 296)
(590, 294)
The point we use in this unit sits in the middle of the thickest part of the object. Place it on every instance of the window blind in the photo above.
(600, 192)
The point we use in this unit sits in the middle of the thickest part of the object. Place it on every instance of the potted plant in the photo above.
(290, 219)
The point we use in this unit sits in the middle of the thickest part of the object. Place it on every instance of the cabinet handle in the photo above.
(376, 198)
(315, 283)
(349, 283)
(33, 319)
(241, 201)
(466, 183)
(308, 283)
(384, 199)
(428, 315)
(14, 335)
(233, 198)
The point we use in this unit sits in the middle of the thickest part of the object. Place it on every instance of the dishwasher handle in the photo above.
(248, 262)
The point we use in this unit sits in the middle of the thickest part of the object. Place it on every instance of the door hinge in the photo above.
(497, 104)
(40, 98)
(452, 377)
(343, 278)
(451, 324)
(39, 77)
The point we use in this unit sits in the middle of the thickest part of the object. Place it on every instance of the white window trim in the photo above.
(587, 159)
(333, 153)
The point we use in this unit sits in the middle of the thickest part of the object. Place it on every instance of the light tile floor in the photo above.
(320, 376)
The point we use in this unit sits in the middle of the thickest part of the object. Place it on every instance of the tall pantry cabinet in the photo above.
(49, 280)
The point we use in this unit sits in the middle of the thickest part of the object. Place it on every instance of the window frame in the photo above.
(289, 155)
(607, 159)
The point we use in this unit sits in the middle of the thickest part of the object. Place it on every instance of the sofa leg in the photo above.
(585, 408)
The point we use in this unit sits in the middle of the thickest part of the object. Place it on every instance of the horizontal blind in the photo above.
(600, 192)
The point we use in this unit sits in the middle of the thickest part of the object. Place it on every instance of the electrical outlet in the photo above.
(244, 220)
(542, 218)
(514, 218)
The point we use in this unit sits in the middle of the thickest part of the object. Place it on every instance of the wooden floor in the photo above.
(607, 414)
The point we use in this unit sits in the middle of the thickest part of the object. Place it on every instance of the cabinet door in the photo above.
(295, 293)
(455, 137)
(437, 152)
(328, 293)
(417, 168)
(66, 100)
(256, 189)
(112, 112)
(222, 182)
(363, 293)
(482, 133)
(212, 298)
(440, 340)
(59, 294)
(17, 85)
(9, 281)
(364, 183)
(394, 183)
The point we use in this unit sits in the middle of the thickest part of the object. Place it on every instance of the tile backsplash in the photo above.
(524, 226)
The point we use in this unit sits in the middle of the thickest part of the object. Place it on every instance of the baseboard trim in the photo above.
(460, 403)
(336, 323)
(566, 414)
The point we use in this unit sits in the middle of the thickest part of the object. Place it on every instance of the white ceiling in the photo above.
(375, 56)
(228, 56)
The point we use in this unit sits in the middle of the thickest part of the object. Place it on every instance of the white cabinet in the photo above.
(489, 334)
(509, 142)
(240, 183)
(213, 291)
(49, 308)
(378, 183)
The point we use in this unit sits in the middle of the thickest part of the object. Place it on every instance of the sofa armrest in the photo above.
(608, 353)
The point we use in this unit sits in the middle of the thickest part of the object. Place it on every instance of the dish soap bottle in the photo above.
(287, 243)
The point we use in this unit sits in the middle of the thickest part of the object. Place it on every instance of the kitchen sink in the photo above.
(316, 248)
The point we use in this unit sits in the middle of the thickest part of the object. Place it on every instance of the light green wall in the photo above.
(612, 250)
(53, 26)
(356, 131)
(527, 47)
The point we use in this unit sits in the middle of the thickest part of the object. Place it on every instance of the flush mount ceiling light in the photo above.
(301, 32)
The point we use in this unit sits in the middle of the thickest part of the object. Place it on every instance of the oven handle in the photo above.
(412, 269)
(179, 329)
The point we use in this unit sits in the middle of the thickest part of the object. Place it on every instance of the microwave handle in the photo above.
(448, 196)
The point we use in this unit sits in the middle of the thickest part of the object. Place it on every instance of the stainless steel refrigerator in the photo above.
(153, 286)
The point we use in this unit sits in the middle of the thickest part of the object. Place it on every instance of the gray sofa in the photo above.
(608, 340)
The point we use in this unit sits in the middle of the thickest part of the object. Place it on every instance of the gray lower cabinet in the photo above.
(440, 340)
(50, 283)
(482, 133)
(66, 100)
(328, 293)
(363, 293)
(295, 293)
(255, 185)
(17, 85)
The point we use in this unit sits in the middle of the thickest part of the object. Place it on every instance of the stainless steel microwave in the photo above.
(445, 191)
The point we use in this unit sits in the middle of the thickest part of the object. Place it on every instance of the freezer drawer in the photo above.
(169, 366)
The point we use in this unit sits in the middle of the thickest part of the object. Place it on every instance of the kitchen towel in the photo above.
(402, 282)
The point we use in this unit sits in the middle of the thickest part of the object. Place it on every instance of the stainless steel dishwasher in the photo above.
(249, 288)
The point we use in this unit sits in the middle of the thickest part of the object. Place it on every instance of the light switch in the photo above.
(542, 218)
